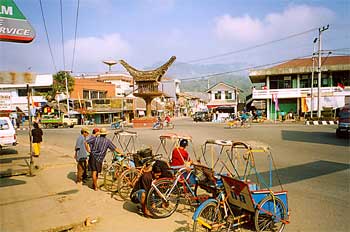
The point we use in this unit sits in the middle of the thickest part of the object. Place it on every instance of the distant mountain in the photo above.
(194, 77)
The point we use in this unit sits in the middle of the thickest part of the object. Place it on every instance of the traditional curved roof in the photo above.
(151, 75)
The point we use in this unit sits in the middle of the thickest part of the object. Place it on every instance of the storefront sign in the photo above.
(14, 26)
(5, 101)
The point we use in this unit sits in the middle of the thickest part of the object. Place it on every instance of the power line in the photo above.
(242, 69)
(75, 34)
(64, 58)
(47, 35)
(252, 47)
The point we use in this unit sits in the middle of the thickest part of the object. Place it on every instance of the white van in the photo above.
(7, 133)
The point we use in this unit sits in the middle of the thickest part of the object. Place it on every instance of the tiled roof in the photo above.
(331, 60)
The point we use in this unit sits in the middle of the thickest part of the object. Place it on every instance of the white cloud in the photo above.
(294, 19)
(93, 50)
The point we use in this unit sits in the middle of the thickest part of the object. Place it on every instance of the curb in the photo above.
(321, 123)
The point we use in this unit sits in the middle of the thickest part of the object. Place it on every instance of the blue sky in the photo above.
(145, 32)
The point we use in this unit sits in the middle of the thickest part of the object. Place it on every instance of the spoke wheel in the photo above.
(162, 207)
(110, 177)
(208, 219)
(269, 214)
(126, 182)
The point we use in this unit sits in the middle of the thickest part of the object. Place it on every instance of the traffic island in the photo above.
(143, 122)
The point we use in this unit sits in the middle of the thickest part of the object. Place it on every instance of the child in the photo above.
(37, 135)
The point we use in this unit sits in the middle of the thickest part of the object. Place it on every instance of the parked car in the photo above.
(201, 116)
(343, 129)
(7, 133)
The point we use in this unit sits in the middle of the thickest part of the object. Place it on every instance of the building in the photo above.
(95, 99)
(13, 92)
(289, 85)
(223, 98)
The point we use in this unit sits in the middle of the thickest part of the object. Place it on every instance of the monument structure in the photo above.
(147, 83)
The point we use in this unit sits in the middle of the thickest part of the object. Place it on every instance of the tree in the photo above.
(59, 84)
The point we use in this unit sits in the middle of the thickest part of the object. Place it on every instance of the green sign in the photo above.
(14, 26)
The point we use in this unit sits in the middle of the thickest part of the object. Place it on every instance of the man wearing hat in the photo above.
(81, 155)
(98, 147)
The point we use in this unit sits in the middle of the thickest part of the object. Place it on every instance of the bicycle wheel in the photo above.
(162, 207)
(110, 177)
(209, 218)
(126, 182)
(270, 215)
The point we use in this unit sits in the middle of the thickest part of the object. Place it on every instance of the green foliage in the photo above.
(59, 84)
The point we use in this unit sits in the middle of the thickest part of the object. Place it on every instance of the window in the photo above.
(22, 92)
(94, 94)
(103, 94)
(228, 95)
(305, 81)
(218, 95)
(86, 94)
(287, 82)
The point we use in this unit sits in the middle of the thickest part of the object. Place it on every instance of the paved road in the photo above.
(312, 163)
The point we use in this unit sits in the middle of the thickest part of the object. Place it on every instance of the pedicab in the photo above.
(114, 164)
(167, 193)
(169, 141)
(246, 199)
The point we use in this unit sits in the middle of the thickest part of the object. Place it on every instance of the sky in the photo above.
(149, 32)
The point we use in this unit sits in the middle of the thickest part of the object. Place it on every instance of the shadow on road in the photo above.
(8, 152)
(304, 171)
(6, 182)
(314, 137)
(9, 160)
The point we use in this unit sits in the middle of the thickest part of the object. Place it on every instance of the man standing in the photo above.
(81, 155)
(98, 147)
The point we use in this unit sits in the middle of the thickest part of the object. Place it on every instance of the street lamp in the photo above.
(312, 77)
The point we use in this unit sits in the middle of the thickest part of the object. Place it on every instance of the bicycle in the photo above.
(233, 208)
(112, 171)
(165, 194)
(128, 178)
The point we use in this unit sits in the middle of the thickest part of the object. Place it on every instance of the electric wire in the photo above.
(242, 69)
(252, 47)
(62, 36)
(47, 36)
(75, 35)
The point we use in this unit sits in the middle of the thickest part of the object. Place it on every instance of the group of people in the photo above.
(90, 152)
(162, 123)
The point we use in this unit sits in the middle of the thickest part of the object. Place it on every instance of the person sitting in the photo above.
(167, 120)
(142, 186)
(244, 117)
(180, 155)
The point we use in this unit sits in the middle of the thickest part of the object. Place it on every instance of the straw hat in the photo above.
(103, 131)
(84, 129)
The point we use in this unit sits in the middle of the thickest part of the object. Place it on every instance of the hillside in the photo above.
(198, 80)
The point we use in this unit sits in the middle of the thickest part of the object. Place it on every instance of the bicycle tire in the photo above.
(266, 220)
(126, 182)
(209, 215)
(156, 204)
(110, 177)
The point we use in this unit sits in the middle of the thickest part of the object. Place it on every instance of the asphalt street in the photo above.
(312, 164)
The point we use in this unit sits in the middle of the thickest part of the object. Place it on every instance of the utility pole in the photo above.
(320, 30)
(31, 164)
(67, 92)
(312, 78)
